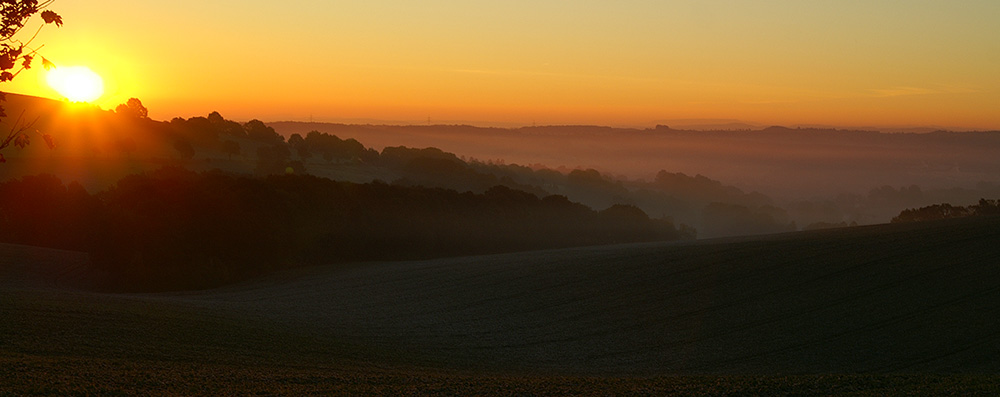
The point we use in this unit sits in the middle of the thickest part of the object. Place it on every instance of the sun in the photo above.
(76, 83)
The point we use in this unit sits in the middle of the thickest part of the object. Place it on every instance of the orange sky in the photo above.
(625, 63)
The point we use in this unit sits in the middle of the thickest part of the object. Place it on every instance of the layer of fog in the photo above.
(807, 176)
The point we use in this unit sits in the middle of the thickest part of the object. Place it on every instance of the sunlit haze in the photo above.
(470, 197)
(76, 83)
(627, 63)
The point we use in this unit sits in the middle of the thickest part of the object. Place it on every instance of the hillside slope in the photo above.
(892, 298)
(889, 298)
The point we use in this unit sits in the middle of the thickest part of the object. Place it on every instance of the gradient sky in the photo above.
(622, 63)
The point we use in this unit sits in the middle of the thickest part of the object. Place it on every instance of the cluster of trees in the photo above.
(330, 148)
(437, 168)
(217, 134)
(175, 228)
(206, 138)
(129, 131)
(945, 211)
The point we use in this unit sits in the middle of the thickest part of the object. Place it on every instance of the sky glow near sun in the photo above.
(76, 83)
(627, 63)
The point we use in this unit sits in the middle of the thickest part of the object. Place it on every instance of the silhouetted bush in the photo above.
(986, 207)
(945, 211)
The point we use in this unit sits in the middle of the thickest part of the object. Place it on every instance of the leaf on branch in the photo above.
(7, 60)
(49, 141)
(27, 62)
(51, 17)
(22, 140)
(6, 76)
(47, 64)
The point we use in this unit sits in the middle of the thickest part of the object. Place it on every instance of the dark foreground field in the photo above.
(894, 308)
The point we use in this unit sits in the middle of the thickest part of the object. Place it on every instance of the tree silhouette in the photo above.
(17, 55)
(260, 132)
(133, 107)
(226, 127)
(987, 207)
(299, 144)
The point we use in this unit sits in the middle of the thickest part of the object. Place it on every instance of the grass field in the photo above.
(910, 308)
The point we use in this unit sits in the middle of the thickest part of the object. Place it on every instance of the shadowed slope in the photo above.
(887, 298)
(892, 298)
(36, 267)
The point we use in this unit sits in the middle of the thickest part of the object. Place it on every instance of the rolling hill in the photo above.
(876, 306)
(777, 161)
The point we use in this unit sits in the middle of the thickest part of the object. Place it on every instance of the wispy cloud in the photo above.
(901, 91)
(580, 76)
(909, 91)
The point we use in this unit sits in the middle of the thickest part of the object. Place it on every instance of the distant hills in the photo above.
(764, 180)
(778, 161)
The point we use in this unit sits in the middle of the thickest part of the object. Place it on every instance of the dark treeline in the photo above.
(945, 211)
(178, 229)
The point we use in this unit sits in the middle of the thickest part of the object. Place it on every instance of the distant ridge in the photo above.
(813, 161)
(662, 124)
(708, 124)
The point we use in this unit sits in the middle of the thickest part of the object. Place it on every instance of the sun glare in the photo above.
(76, 83)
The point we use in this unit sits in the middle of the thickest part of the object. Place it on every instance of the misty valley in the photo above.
(457, 198)
(718, 183)
(209, 256)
